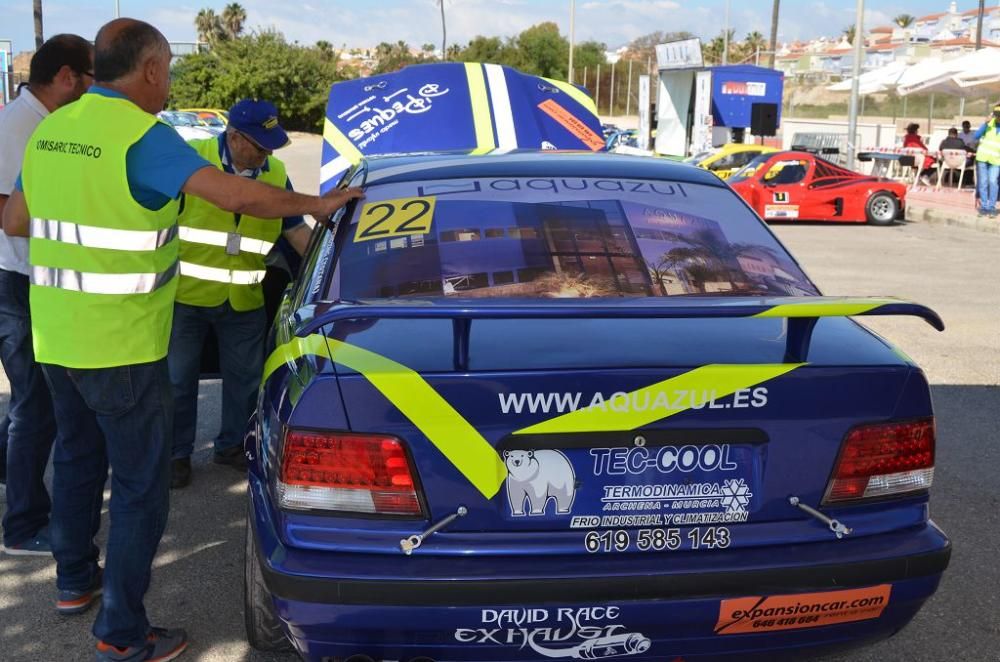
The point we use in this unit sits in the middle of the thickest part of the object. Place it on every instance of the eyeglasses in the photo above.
(253, 143)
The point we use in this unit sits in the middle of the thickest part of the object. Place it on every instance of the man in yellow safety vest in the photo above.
(988, 163)
(221, 268)
(99, 197)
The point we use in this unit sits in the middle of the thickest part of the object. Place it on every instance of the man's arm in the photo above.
(3, 203)
(298, 237)
(246, 196)
(15, 215)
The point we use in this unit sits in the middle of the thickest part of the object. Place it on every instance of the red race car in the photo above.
(798, 186)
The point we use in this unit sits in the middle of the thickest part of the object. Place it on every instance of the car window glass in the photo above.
(742, 158)
(750, 169)
(316, 271)
(698, 158)
(786, 172)
(725, 163)
(560, 237)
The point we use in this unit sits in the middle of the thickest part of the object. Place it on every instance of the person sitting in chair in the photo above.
(912, 139)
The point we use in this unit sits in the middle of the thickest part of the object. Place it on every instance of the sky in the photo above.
(365, 23)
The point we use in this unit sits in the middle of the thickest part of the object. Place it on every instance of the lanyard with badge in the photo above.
(233, 238)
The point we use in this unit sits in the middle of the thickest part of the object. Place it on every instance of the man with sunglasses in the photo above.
(222, 267)
(60, 72)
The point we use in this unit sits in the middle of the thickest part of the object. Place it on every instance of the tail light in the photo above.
(347, 472)
(883, 460)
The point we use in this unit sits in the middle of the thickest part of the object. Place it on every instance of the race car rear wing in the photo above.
(802, 313)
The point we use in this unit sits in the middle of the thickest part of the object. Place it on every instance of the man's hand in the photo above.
(16, 221)
(336, 199)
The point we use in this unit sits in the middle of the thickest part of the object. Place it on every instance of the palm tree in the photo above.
(444, 31)
(233, 18)
(753, 44)
(849, 33)
(37, 7)
(713, 49)
(904, 21)
(774, 33)
(209, 26)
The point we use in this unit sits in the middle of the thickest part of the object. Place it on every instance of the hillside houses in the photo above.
(941, 35)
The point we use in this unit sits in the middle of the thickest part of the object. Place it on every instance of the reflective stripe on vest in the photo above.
(95, 237)
(988, 150)
(93, 283)
(222, 254)
(218, 275)
(103, 267)
(215, 238)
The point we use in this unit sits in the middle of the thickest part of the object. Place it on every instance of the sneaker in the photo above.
(70, 603)
(233, 456)
(37, 546)
(180, 473)
(161, 645)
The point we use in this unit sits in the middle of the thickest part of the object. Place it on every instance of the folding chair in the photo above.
(952, 159)
(918, 156)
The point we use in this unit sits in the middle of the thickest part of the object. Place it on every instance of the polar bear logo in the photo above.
(539, 476)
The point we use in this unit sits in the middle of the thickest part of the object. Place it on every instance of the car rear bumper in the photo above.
(401, 608)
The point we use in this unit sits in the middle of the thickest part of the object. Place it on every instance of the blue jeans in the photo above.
(4, 433)
(986, 178)
(32, 424)
(124, 416)
(241, 362)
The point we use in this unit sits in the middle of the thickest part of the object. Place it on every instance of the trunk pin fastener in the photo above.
(835, 526)
(414, 541)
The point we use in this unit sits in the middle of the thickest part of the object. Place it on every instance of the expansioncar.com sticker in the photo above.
(801, 610)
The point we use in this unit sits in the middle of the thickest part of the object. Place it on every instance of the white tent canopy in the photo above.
(956, 76)
(878, 80)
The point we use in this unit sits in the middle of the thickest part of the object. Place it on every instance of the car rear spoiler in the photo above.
(802, 313)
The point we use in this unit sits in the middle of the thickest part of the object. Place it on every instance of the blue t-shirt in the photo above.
(158, 165)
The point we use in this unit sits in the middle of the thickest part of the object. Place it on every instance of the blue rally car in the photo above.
(579, 406)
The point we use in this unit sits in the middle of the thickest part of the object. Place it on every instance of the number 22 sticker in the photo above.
(395, 218)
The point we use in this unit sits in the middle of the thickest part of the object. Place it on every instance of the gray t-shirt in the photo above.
(17, 122)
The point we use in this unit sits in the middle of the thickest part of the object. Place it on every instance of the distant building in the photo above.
(944, 35)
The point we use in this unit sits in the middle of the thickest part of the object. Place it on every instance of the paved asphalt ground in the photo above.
(198, 575)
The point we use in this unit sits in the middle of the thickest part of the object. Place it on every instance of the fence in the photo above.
(614, 87)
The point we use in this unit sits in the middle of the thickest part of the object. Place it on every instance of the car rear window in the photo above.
(558, 237)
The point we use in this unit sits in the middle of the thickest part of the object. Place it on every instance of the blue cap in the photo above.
(259, 120)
